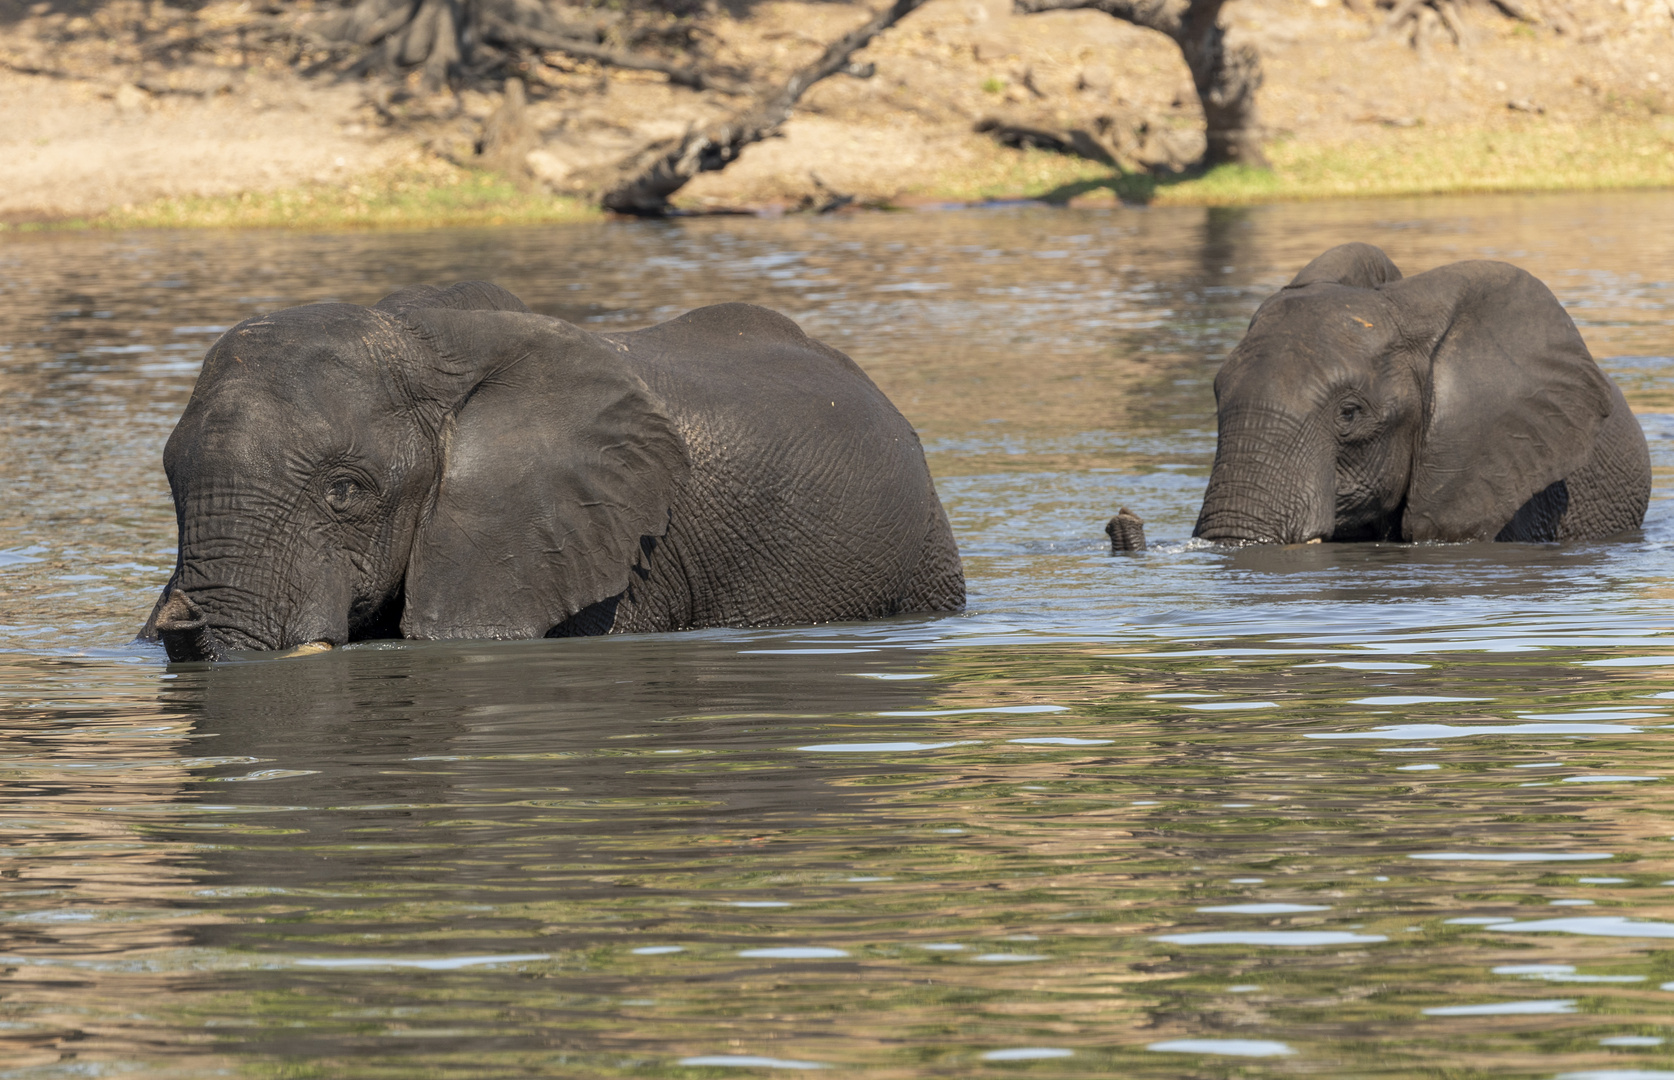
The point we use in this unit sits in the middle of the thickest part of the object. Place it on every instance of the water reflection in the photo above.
(407, 818)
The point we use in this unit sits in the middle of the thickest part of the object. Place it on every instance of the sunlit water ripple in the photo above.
(1325, 811)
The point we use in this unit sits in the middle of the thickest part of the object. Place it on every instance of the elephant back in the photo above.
(802, 471)
(460, 296)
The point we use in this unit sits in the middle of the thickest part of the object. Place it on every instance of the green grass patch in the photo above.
(1015, 174)
(427, 196)
(1535, 154)
(1527, 155)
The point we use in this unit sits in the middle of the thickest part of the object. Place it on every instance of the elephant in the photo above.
(448, 464)
(1458, 404)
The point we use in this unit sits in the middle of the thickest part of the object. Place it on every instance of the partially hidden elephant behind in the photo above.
(1457, 404)
(448, 464)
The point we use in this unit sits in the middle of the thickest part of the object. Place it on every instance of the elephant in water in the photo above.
(1458, 404)
(448, 464)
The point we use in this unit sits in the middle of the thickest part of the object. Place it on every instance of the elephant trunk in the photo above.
(188, 633)
(184, 629)
(1272, 483)
(230, 594)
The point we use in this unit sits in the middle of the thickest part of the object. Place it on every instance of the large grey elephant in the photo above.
(447, 464)
(1457, 404)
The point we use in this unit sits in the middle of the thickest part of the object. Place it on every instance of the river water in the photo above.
(1341, 810)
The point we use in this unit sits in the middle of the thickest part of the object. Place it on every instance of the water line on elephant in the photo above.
(307, 648)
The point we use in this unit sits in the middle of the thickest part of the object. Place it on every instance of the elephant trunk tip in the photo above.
(1229, 538)
(1221, 526)
(184, 628)
(1233, 534)
(1126, 531)
(180, 614)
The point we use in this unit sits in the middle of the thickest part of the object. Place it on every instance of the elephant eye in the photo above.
(341, 493)
(1347, 413)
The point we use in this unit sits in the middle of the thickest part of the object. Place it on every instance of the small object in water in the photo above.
(1126, 531)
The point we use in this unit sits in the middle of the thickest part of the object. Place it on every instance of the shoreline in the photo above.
(1537, 158)
(103, 131)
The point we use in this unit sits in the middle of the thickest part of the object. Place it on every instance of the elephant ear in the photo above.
(1360, 265)
(1513, 403)
(557, 460)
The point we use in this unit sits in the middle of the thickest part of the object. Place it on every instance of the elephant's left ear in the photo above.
(557, 460)
(1513, 403)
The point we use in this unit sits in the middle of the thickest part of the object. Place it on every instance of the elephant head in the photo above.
(1364, 405)
(444, 464)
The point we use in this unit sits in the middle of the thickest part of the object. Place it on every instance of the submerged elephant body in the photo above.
(448, 464)
(1457, 404)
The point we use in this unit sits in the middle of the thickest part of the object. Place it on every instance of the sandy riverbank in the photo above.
(93, 132)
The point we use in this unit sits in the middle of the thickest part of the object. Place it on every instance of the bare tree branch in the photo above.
(444, 36)
(1226, 79)
(1518, 11)
(643, 182)
(1418, 20)
(507, 34)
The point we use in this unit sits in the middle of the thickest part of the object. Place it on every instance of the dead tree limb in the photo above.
(1411, 18)
(1226, 78)
(1455, 25)
(445, 37)
(506, 34)
(1518, 11)
(1416, 20)
(642, 183)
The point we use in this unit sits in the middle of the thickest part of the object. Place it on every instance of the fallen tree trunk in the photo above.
(1226, 79)
(642, 183)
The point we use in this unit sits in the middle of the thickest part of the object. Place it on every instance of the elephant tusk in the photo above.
(308, 648)
(1315, 540)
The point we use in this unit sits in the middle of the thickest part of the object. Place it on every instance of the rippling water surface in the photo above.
(1340, 810)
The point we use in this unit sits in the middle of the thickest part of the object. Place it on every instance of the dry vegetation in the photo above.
(134, 112)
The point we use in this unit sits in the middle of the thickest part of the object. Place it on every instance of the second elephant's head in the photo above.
(1364, 406)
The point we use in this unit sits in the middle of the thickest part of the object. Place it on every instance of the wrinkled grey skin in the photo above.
(1459, 404)
(447, 464)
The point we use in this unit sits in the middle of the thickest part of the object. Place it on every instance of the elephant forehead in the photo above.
(1339, 311)
(314, 421)
(286, 427)
(1344, 335)
(310, 367)
(256, 416)
(306, 343)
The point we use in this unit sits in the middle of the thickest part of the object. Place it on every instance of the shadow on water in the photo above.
(441, 724)
(1350, 573)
